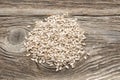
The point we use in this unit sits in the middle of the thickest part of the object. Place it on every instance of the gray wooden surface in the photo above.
(99, 18)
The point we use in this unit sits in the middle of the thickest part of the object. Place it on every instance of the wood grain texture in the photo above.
(48, 7)
(99, 18)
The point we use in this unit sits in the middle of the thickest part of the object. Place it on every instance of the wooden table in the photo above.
(99, 18)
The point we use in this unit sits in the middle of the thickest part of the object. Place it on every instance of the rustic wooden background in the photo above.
(99, 18)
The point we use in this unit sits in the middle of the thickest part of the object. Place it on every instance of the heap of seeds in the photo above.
(57, 41)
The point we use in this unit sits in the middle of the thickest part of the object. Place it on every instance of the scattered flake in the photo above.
(28, 26)
(85, 57)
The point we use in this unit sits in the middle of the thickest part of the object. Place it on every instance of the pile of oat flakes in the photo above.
(56, 41)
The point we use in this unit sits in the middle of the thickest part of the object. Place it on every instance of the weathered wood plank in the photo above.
(48, 7)
(99, 18)
(103, 45)
(99, 4)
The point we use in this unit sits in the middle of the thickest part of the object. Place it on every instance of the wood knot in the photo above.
(16, 36)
